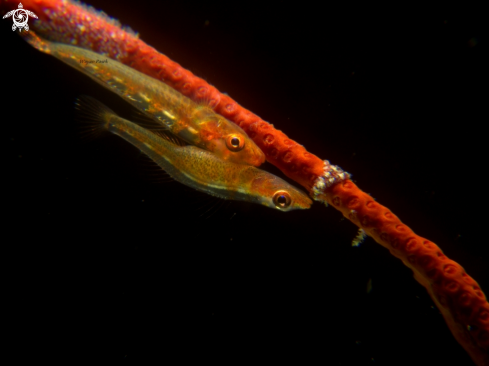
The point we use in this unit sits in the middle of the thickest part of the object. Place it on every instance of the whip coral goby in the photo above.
(195, 167)
(346, 138)
(196, 124)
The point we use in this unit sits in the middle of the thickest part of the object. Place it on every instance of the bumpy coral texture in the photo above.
(289, 156)
(457, 295)
(84, 29)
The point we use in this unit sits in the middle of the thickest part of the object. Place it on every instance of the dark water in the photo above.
(123, 267)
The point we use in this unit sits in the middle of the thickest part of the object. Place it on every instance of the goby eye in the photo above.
(281, 199)
(234, 142)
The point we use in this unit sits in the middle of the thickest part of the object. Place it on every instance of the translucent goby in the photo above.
(195, 167)
(194, 123)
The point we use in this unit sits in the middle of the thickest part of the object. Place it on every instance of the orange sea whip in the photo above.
(457, 295)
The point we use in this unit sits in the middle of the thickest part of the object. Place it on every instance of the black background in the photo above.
(104, 261)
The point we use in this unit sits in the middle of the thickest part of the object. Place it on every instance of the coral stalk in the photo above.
(458, 296)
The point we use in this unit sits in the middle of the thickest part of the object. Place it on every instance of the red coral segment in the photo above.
(84, 29)
(457, 295)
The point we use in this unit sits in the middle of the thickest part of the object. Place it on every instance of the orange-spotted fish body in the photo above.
(197, 124)
(198, 168)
